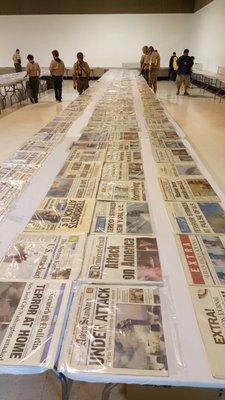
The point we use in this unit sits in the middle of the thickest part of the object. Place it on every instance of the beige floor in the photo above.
(203, 121)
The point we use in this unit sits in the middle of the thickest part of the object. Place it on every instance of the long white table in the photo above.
(188, 364)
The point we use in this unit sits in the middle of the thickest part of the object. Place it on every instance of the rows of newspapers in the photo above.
(18, 170)
(198, 220)
(85, 274)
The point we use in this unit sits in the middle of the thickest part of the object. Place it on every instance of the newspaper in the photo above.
(115, 329)
(122, 190)
(27, 157)
(126, 156)
(169, 135)
(117, 259)
(43, 257)
(185, 170)
(94, 137)
(124, 145)
(169, 144)
(79, 169)
(62, 215)
(31, 318)
(203, 259)
(121, 218)
(78, 188)
(162, 155)
(86, 155)
(11, 172)
(198, 218)
(89, 145)
(196, 189)
(209, 305)
(37, 145)
(122, 171)
(9, 190)
(114, 136)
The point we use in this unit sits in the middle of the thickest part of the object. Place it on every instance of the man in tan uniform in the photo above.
(145, 63)
(33, 71)
(154, 66)
(81, 74)
(17, 61)
(57, 70)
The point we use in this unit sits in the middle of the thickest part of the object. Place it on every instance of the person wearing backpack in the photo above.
(57, 70)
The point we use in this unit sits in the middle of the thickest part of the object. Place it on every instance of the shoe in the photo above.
(59, 100)
(36, 101)
(177, 93)
(186, 94)
(32, 100)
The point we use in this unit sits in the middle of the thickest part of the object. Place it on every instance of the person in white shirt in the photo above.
(17, 61)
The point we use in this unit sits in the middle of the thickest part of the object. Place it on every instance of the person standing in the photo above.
(154, 66)
(57, 70)
(81, 74)
(144, 53)
(173, 67)
(33, 71)
(17, 61)
(185, 64)
(145, 63)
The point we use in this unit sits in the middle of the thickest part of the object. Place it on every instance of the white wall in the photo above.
(107, 40)
(209, 35)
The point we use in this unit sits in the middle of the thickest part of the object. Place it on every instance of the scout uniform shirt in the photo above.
(81, 70)
(57, 67)
(16, 58)
(154, 60)
(33, 69)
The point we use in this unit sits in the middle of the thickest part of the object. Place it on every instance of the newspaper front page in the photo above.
(77, 188)
(86, 155)
(162, 155)
(11, 172)
(203, 258)
(118, 217)
(126, 156)
(168, 135)
(89, 145)
(35, 158)
(115, 330)
(122, 171)
(119, 259)
(198, 218)
(48, 257)
(124, 145)
(122, 190)
(78, 169)
(209, 305)
(31, 319)
(184, 170)
(9, 190)
(188, 189)
(62, 215)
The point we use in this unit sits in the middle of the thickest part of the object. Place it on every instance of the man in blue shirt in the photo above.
(185, 64)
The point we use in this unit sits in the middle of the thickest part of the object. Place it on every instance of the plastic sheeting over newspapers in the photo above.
(32, 316)
(114, 330)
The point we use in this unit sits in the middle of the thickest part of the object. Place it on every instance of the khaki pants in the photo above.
(82, 84)
(153, 75)
(183, 80)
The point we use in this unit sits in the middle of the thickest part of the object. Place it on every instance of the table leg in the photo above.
(107, 390)
(65, 384)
